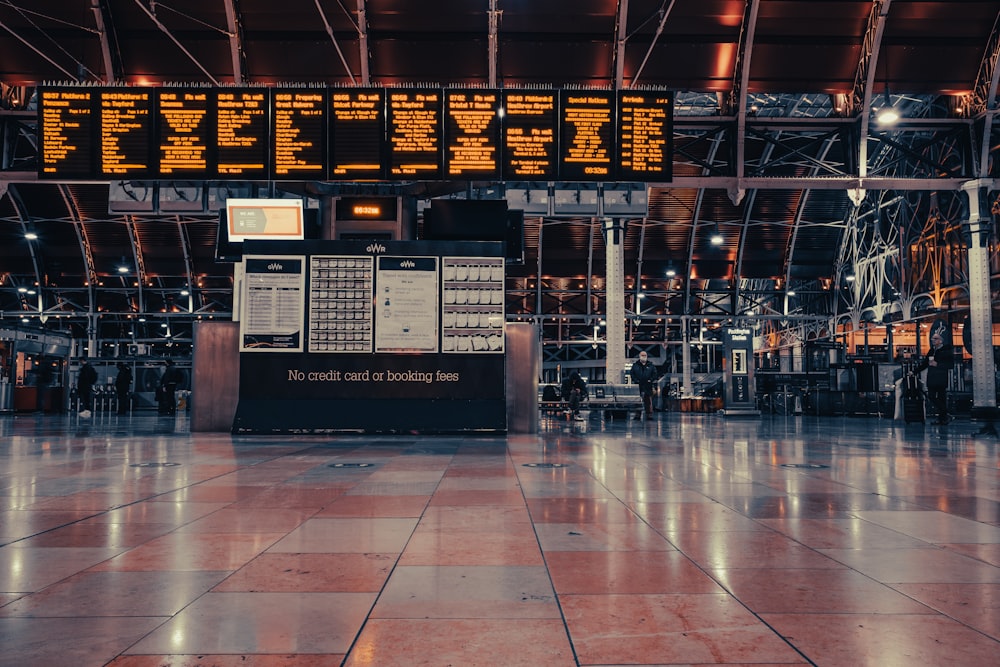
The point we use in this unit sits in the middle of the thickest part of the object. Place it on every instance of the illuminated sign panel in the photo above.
(298, 126)
(361, 134)
(472, 134)
(357, 143)
(264, 219)
(183, 132)
(125, 132)
(586, 135)
(367, 208)
(530, 151)
(66, 133)
(414, 131)
(241, 132)
(645, 136)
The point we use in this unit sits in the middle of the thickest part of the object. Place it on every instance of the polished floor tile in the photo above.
(686, 540)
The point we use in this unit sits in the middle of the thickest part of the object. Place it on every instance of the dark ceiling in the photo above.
(774, 91)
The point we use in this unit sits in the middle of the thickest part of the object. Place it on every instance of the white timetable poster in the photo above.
(406, 304)
(273, 304)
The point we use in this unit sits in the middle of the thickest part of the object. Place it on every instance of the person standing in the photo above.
(43, 381)
(939, 361)
(574, 390)
(123, 387)
(168, 388)
(644, 374)
(85, 381)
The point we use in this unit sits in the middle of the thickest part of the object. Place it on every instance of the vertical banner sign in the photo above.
(414, 130)
(406, 305)
(530, 151)
(273, 304)
(738, 370)
(472, 134)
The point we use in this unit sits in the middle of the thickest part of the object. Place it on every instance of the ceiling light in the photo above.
(887, 115)
(716, 238)
(791, 292)
(31, 236)
(122, 269)
(849, 278)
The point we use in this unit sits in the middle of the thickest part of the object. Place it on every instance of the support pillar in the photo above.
(614, 241)
(980, 299)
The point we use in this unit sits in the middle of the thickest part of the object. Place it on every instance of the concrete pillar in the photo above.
(614, 241)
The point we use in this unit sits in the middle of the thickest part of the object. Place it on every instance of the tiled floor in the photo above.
(687, 540)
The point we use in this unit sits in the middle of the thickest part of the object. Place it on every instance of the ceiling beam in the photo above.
(618, 59)
(170, 36)
(494, 27)
(113, 70)
(984, 93)
(738, 96)
(234, 28)
(364, 57)
(861, 99)
(664, 13)
(333, 39)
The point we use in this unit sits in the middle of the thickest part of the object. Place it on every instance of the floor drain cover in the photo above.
(155, 464)
(804, 465)
(351, 465)
(544, 465)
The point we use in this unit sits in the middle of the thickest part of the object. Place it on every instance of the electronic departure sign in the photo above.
(413, 124)
(315, 133)
(357, 126)
(126, 122)
(183, 132)
(66, 133)
(298, 133)
(472, 134)
(586, 135)
(241, 126)
(530, 148)
(645, 136)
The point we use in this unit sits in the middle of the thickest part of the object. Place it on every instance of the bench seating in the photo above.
(608, 397)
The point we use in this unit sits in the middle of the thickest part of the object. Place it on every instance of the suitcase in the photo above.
(913, 409)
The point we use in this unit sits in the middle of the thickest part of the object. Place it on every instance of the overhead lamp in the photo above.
(671, 271)
(185, 292)
(849, 277)
(122, 269)
(887, 115)
(791, 292)
(716, 238)
(31, 236)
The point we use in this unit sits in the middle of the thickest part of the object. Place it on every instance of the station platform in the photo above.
(687, 539)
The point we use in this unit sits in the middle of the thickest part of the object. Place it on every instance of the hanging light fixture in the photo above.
(887, 115)
(716, 238)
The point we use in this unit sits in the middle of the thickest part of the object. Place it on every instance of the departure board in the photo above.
(298, 133)
(586, 135)
(241, 132)
(530, 149)
(413, 121)
(183, 132)
(316, 133)
(66, 133)
(645, 136)
(357, 143)
(472, 134)
(126, 131)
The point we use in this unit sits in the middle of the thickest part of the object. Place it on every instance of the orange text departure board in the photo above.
(241, 131)
(645, 136)
(314, 133)
(586, 132)
(472, 134)
(413, 121)
(357, 128)
(298, 123)
(530, 141)
(66, 133)
(126, 129)
(183, 132)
